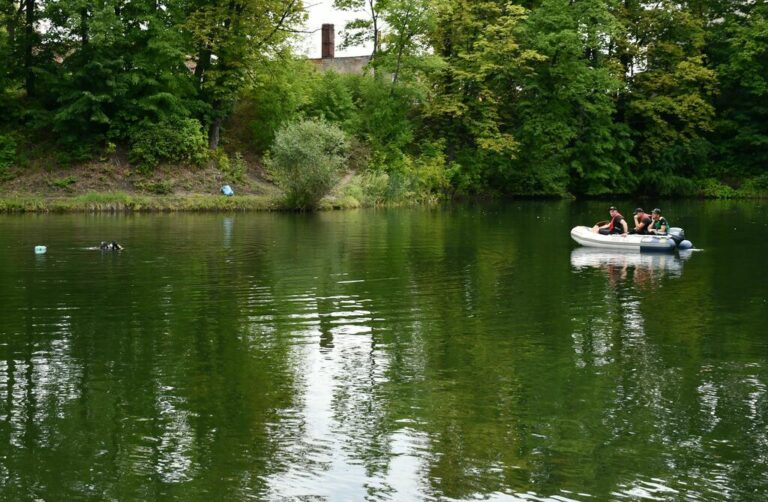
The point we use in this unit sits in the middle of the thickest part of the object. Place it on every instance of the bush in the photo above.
(275, 98)
(714, 189)
(305, 161)
(234, 168)
(62, 183)
(369, 188)
(7, 153)
(330, 99)
(162, 187)
(179, 140)
(665, 185)
(410, 180)
(385, 119)
(759, 182)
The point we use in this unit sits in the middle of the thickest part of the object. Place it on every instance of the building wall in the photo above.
(347, 65)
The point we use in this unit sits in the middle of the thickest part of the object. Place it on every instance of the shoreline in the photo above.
(124, 202)
(118, 202)
(95, 202)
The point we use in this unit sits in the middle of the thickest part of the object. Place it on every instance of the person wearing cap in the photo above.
(659, 225)
(617, 224)
(642, 221)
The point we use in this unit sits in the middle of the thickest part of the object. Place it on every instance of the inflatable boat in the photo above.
(632, 242)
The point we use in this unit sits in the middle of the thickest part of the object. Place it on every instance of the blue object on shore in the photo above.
(227, 190)
(40, 249)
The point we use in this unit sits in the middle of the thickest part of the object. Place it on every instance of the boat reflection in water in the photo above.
(646, 268)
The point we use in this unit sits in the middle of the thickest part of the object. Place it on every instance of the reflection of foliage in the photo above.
(455, 339)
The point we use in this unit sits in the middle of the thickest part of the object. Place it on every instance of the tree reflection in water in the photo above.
(377, 356)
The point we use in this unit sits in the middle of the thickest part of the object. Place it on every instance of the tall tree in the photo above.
(669, 105)
(738, 51)
(118, 65)
(405, 44)
(31, 39)
(365, 29)
(565, 114)
(230, 38)
(471, 93)
(10, 13)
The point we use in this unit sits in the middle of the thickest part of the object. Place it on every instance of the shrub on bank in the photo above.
(422, 180)
(714, 189)
(7, 153)
(233, 168)
(306, 160)
(179, 140)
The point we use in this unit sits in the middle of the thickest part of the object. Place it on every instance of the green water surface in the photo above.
(443, 354)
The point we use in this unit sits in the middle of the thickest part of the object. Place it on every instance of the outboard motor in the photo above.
(677, 234)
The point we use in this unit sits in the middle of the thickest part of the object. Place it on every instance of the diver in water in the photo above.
(110, 246)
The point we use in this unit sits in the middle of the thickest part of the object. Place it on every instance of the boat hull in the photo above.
(633, 242)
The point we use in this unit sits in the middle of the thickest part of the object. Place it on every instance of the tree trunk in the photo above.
(213, 133)
(375, 21)
(10, 20)
(397, 67)
(84, 26)
(203, 61)
(29, 42)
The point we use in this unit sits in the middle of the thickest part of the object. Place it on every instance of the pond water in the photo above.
(453, 354)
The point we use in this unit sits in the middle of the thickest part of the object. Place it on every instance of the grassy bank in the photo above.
(117, 201)
(112, 186)
(115, 188)
(124, 202)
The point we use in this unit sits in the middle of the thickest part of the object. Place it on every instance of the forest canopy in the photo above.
(536, 97)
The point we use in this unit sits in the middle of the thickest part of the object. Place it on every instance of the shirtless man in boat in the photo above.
(617, 224)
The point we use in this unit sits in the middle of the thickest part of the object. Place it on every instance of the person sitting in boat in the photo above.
(659, 225)
(617, 224)
(642, 221)
(110, 246)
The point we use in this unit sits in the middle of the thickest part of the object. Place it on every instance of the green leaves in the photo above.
(670, 104)
(483, 60)
(306, 160)
(739, 55)
(179, 140)
(536, 97)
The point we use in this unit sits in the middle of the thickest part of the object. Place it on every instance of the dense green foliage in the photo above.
(529, 97)
(7, 153)
(175, 141)
(306, 160)
(92, 73)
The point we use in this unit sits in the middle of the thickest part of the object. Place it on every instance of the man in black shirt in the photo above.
(617, 225)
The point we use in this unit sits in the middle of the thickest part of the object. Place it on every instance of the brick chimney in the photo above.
(328, 47)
